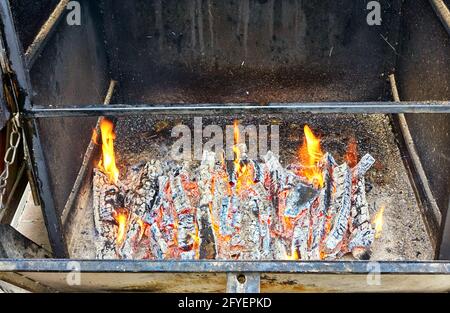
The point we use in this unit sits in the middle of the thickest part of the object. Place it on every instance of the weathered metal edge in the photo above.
(222, 266)
(229, 108)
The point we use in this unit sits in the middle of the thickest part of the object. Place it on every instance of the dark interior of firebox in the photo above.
(175, 52)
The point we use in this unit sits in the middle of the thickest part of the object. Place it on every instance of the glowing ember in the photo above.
(378, 222)
(121, 218)
(141, 228)
(351, 156)
(310, 154)
(108, 162)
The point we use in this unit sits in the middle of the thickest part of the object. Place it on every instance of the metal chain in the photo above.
(10, 156)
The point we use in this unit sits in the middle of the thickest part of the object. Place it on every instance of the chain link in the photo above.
(10, 156)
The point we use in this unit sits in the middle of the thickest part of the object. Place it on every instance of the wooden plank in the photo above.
(25, 283)
(216, 282)
(148, 282)
(354, 283)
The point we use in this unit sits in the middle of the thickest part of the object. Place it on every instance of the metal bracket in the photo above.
(243, 282)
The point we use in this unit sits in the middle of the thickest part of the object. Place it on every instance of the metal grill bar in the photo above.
(191, 109)
(147, 266)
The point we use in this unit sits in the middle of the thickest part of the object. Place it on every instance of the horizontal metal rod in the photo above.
(442, 12)
(45, 33)
(213, 109)
(142, 266)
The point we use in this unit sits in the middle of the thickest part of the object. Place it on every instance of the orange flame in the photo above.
(108, 162)
(351, 156)
(236, 151)
(378, 222)
(244, 173)
(121, 218)
(310, 154)
(294, 255)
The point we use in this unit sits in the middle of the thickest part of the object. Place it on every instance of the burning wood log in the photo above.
(363, 165)
(106, 199)
(106, 242)
(319, 209)
(158, 245)
(249, 234)
(301, 235)
(339, 209)
(207, 248)
(298, 199)
(221, 210)
(265, 213)
(361, 232)
(187, 228)
(144, 188)
(162, 221)
(135, 231)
